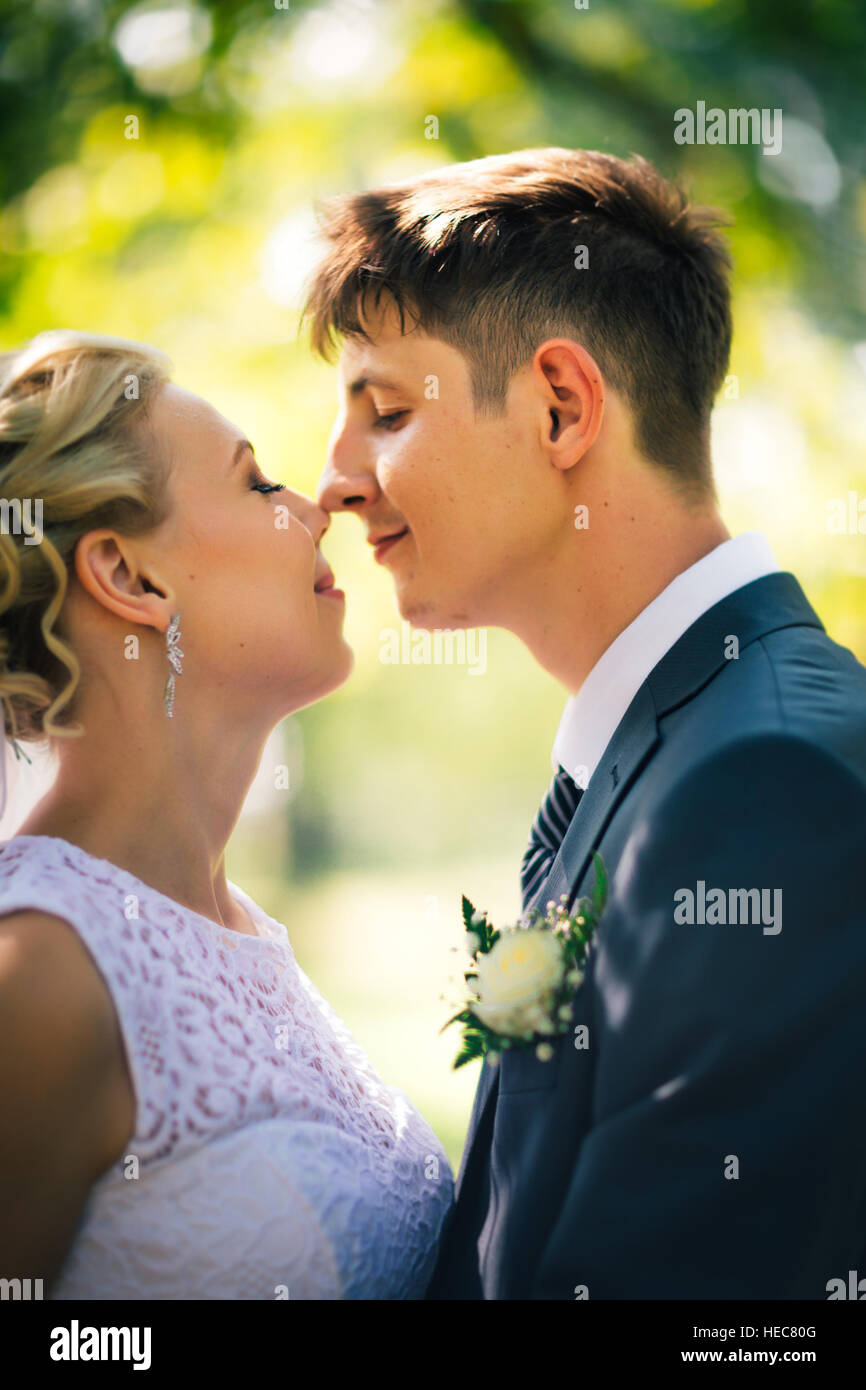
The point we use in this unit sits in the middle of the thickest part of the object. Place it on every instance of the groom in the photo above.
(532, 345)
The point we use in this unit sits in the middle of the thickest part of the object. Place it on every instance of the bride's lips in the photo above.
(383, 543)
(325, 586)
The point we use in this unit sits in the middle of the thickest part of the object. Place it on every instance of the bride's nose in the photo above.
(311, 515)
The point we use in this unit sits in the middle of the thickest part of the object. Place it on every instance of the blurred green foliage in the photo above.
(189, 226)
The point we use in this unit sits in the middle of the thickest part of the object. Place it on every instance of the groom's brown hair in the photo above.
(486, 256)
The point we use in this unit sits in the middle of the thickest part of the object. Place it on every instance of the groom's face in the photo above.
(455, 505)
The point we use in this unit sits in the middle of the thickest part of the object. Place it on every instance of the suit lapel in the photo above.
(766, 605)
(633, 742)
(479, 1123)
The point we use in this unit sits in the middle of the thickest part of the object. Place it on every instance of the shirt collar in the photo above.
(592, 715)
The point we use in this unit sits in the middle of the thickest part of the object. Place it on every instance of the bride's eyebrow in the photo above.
(240, 448)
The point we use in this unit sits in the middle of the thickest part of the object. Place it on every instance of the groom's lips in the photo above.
(383, 543)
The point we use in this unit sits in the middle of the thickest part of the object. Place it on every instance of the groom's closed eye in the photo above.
(386, 421)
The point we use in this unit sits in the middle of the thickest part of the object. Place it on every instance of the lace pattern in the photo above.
(272, 1158)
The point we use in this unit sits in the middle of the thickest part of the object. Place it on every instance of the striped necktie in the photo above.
(548, 832)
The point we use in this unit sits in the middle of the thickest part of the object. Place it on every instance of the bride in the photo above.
(185, 1117)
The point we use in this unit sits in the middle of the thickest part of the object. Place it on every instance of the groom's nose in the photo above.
(348, 481)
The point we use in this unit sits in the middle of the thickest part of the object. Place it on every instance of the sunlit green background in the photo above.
(417, 783)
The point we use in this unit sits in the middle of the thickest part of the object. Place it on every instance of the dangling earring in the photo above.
(174, 654)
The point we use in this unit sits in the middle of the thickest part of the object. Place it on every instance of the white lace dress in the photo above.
(268, 1159)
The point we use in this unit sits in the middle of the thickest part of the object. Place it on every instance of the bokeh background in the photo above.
(190, 227)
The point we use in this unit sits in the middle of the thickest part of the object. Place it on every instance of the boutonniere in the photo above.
(523, 978)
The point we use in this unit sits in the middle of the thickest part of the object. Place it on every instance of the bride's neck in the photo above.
(160, 803)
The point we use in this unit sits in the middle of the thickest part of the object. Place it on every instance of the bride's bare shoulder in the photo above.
(64, 1088)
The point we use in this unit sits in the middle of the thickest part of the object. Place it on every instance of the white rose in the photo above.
(516, 979)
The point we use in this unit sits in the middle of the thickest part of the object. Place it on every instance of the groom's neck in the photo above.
(578, 601)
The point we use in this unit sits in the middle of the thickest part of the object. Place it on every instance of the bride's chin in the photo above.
(336, 675)
(346, 665)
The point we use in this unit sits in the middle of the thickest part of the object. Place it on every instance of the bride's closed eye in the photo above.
(258, 484)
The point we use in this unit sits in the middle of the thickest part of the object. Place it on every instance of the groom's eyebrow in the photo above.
(371, 379)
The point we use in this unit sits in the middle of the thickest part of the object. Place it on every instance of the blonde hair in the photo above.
(70, 406)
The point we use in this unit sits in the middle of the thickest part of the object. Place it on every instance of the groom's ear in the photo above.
(570, 390)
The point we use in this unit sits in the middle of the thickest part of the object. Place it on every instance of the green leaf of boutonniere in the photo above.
(523, 979)
(477, 924)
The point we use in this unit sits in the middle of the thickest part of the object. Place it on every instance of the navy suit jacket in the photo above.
(709, 1140)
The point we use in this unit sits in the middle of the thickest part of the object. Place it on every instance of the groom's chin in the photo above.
(432, 617)
(428, 612)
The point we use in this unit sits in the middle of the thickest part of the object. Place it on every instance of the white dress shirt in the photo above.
(592, 715)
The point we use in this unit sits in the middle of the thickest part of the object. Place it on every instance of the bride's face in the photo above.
(259, 613)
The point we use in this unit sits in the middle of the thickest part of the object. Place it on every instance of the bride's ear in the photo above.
(571, 397)
(107, 567)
